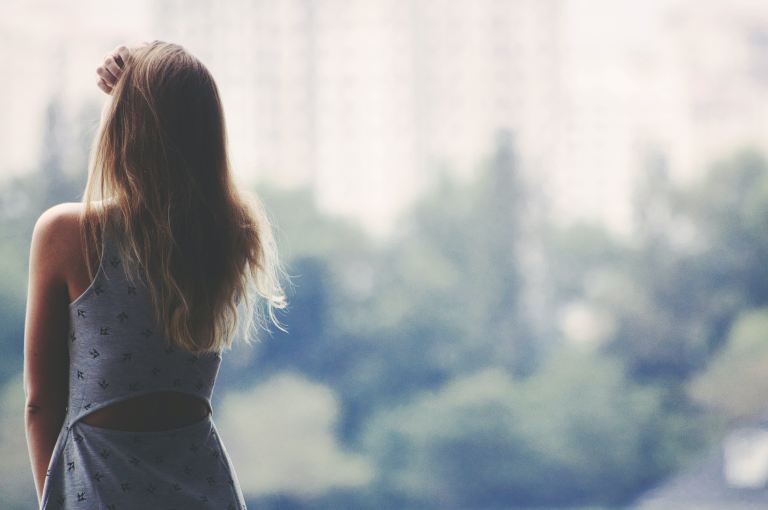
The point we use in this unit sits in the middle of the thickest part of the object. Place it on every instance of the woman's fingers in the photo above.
(106, 75)
(110, 70)
(121, 55)
(103, 85)
(113, 68)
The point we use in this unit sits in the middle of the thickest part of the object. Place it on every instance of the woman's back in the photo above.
(117, 351)
(135, 402)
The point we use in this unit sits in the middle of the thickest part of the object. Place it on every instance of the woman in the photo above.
(120, 361)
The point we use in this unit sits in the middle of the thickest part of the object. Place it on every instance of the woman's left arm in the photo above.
(46, 356)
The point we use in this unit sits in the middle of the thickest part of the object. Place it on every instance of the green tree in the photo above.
(576, 432)
(698, 263)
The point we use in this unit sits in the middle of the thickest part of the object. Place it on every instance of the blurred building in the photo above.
(722, 49)
(364, 100)
(49, 52)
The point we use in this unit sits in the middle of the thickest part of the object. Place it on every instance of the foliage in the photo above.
(442, 375)
(699, 260)
(576, 432)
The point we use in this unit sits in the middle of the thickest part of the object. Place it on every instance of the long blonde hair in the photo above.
(160, 168)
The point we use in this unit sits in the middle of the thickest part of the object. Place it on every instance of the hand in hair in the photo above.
(112, 68)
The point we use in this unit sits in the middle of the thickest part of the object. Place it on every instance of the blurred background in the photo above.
(529, 240)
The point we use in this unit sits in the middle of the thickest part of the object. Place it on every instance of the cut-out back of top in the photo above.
(116, 349)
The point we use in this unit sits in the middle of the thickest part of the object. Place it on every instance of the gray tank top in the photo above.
(116, 349)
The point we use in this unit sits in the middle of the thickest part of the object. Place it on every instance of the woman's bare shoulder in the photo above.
(56, 233)
(57, 221)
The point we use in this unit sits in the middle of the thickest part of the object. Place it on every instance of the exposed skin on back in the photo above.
(58, 274)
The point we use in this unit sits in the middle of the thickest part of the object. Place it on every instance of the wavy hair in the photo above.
(160, 172)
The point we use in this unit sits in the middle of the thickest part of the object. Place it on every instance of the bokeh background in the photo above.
(528, 239)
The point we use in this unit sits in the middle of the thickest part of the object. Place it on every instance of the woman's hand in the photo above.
(112, 68)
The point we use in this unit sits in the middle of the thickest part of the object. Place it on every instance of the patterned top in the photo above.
(116, 350)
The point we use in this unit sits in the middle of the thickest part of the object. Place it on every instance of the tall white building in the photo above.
(363, 99)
